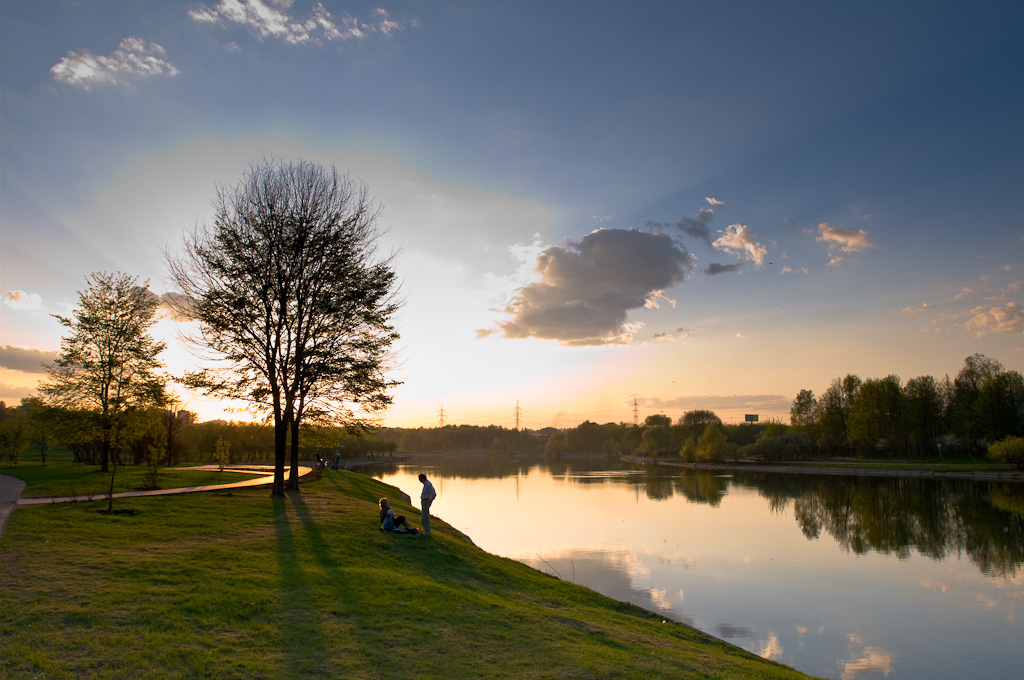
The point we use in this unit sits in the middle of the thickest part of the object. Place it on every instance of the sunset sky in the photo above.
(682, 204)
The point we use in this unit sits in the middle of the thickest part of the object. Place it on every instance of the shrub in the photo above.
(1009, 450)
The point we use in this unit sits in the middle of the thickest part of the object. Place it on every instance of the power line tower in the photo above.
(519, 413)
(440, 417)
(636, 414)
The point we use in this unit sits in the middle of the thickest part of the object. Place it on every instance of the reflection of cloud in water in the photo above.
(804, 630)
(727, 630)
(874, 660)
(663, 600)
(677, 558)
(771, 648)
(612, 573)
(928, 584)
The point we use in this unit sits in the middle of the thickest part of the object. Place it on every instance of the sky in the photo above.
(599, 209)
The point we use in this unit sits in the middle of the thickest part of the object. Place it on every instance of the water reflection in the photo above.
(842, 577)
(898, 515)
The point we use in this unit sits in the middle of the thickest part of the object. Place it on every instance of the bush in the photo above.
(1009, 450)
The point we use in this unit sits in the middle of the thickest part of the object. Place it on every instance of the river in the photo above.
(840, 577)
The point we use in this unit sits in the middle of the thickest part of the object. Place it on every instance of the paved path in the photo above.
(11, 488)
(10, 491)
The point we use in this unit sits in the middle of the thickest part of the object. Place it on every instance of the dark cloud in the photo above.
(694, 227)
(25, 359)
(587, 288)
(715, 268)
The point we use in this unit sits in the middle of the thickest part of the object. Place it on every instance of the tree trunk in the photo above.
(280, 442)
(293, 476)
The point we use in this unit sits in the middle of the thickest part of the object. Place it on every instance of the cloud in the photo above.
(14, 393)
(22, 301)
(694, 227)
(1004, 320)
(678, 334)
(739, 240)
(587, 288)
(847, 240)
(272, 19)
(175, 306)
(715, 268)
(915, 310)
(25, 359)
(964, 294)
(713, 201)
(133, 59)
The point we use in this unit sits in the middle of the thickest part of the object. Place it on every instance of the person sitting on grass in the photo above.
(390, 522)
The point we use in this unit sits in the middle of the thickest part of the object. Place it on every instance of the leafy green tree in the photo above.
(14, 433)
(289, 290)
(803, 413)
(966, 417)
(876, 416)
(557, 444)
(923, 407)
(712, 444)
(656, 440)
(833, 412)
(1001, 406)
(108, 366)
(222, 453)
(693, 423)
(689, 450)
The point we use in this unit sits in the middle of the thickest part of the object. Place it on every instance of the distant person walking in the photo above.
(427, 497)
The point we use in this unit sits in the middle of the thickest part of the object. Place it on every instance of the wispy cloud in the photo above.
(914, 310)
(740, 241)
(714, 202)
(273, 19)
(847, 240)
(588, 288)
(132, 60)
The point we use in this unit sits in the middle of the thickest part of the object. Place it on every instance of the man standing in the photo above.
(427, 497)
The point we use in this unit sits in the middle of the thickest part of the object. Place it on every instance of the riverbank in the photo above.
(853, 469)
(237, 584)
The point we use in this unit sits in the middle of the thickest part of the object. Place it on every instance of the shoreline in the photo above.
(853, 471)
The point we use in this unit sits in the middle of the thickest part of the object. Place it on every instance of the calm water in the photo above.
(839, 577)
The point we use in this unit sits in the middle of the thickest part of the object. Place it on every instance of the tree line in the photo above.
(924, 417)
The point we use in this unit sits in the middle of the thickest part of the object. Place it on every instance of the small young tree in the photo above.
(222, 453)
(108, 363)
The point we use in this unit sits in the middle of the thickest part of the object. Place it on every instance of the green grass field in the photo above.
(64, 479)
(240, 585)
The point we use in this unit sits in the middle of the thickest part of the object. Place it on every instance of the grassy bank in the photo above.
(239, 585)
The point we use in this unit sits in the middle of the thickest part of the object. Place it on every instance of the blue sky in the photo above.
(686, 205)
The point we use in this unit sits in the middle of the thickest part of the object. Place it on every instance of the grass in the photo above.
(241, 585)
(59, 479)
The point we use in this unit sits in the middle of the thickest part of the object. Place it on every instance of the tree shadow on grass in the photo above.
(302, 638)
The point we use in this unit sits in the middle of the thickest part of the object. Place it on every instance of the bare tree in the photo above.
(293, 299)
(108, 365)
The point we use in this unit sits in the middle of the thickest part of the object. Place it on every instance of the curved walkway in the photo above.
(11, 488)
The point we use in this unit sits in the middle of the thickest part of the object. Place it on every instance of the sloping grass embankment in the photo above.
(240, 585)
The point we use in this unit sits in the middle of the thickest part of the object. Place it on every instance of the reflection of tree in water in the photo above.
(896, 515)
(702, 487)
